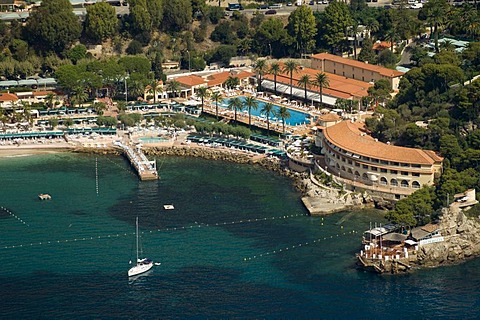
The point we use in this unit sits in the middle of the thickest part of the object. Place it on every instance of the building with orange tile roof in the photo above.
(7, 100)
(354, 69)
(351, 153)
(328, 119)
(339, 87)
(218, 79)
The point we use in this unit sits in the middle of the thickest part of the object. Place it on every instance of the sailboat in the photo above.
(143, 265)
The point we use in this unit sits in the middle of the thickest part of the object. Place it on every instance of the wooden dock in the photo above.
(146, 169)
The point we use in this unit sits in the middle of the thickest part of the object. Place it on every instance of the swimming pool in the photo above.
(153, 139)
(296, 117)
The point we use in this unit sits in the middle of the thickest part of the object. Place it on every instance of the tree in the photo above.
(302, 28)
(271, 36)
(275, 69)
(305, 81)
(134, 47)
(53, 26)
(177, 14)
(101, 22)
(283, 114)
(174, 87)
(337, 20)
(203, 93)
(224, 33)
(268, 109)
(223, 54)
(435, 12)
(77, 53)
(141, 21)
(290, 67)
(260, 69)
(235, 104)
(321, 80)
(413, 210)
(367, 54)
(251, 104)
(155, 8)
(387, 58)
(216, 97)
(231, 82)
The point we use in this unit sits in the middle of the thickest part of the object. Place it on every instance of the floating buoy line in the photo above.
(96, 174)
(15, 216)
(297, 246)
(117, 235)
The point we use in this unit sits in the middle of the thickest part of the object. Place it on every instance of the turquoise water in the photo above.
(237, 245)
(296, 117)
(152, 139)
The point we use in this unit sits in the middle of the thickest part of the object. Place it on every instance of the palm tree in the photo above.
(260, 68)
(291, 67)
(275, 69)
(154, 87)
(173, 86)
(283, 114)
(203, 93)
(79, 97)
(321, 80)
(235, 104)
(251, 103)
(305, 82)
(216, 97)
(436, 13)
(49, 100)
(268, 109)
(231, 82)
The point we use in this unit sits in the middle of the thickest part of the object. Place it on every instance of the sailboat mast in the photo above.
(137, 239)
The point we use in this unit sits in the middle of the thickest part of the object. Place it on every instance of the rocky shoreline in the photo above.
(462, 241)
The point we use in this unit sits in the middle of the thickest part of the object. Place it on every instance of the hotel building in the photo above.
(353, 69)
(364, 163)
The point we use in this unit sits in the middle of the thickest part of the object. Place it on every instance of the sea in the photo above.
(238, 244)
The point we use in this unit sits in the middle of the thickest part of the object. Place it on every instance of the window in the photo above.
(343, 168)
(383, 181)
(394, 182)
(357, 174)
(415, 174)
(397, 196)
(416, 185)
(343, 159)
(357, 164)
(374, 169)
(404, 173)
(404, 184)
(393, 171)
(383, 170)
(364, 166)
(363, 78)
(350, 171)
(365, 176)
(337, 166)
(350, 162)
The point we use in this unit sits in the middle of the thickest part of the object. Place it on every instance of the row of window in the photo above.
(383, 180)
(372, 168)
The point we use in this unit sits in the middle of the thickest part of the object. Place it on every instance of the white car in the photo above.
(416, 6)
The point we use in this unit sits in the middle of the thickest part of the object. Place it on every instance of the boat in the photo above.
(142, 265)
(44, 196)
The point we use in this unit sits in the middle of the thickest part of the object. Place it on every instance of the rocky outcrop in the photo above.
(462, 241)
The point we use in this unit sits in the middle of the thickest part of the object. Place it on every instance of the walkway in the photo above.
(145, 168)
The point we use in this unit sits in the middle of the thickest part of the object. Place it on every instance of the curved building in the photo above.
(381, 168)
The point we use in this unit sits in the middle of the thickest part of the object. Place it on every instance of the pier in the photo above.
(146, 169)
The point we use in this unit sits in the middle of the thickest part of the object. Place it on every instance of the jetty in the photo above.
(146, 169)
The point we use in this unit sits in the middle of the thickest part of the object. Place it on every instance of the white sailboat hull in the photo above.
(140, 268)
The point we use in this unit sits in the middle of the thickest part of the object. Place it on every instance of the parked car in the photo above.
(263, 7)
(289, 4)
(416, 6)
(271, 12)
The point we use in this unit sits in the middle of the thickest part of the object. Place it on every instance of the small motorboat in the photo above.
(44, 196)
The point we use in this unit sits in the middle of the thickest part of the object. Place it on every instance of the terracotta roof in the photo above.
(216, 79)
(4, 97)
(329, 117)
(381, 45)
(351, 137)
(339, 86)
(358, 64)
(42, 93)
(191, 81)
